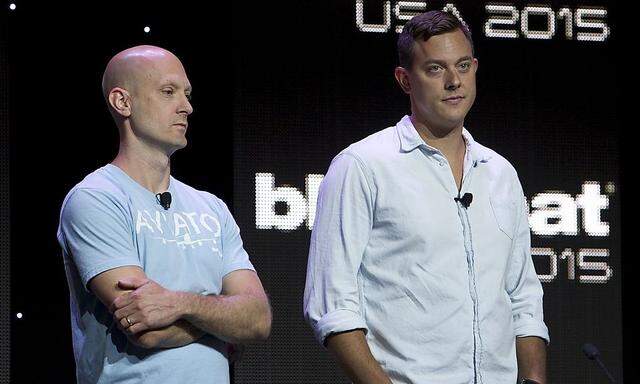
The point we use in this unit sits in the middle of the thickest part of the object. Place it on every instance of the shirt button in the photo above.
(441, 164)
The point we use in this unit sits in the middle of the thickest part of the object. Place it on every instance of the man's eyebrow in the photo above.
(175, 85)
(444, 63)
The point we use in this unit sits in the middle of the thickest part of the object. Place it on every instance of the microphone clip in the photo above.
(164, 199)
(465, 200)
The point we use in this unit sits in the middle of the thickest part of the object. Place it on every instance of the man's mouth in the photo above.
(457, 99)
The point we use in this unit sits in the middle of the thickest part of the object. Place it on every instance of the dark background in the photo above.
(281, 87)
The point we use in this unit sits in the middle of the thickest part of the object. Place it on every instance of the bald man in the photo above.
(159, 281)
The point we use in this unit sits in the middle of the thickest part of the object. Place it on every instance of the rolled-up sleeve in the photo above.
(523, 285)
(342, 226)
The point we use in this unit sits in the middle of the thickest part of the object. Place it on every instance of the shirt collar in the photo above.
(410, 139)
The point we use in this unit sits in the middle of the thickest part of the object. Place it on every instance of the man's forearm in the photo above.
(235, 319)
(532, 358)
(241, 316)
(355, 358)
(178, 334)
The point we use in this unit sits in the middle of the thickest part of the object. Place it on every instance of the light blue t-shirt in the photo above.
(107, 221)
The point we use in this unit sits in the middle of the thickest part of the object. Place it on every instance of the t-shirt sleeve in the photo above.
(234, 256)
(95, 232)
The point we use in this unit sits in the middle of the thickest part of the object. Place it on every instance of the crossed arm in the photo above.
(161, 318)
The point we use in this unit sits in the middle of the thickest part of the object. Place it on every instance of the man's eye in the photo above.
(168, 92)
(188, 97)
(465, 66)
(433, 68)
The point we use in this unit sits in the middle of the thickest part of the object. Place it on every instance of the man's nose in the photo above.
(186, 107)
(452, 80)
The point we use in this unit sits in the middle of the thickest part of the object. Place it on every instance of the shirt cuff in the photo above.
(340, 320)
(526, 325)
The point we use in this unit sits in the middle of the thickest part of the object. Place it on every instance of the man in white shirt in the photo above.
(420, 268)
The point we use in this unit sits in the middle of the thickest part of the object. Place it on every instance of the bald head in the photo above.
(131, 66)
(147, 92)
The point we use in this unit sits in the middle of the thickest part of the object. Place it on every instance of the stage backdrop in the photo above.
(294, 82)
(311, 78)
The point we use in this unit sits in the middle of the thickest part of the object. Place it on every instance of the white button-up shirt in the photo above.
(441, 290)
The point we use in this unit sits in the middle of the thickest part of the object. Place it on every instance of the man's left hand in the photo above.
(147, 306)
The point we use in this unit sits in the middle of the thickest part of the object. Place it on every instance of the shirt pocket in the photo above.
(504, 212)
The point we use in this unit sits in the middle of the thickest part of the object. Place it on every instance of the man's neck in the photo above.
(448, 141)
(149, 169)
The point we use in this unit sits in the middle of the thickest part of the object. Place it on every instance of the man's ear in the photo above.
(120, 101)
(402, 77)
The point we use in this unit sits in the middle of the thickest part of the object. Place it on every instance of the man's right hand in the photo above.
(355, 358)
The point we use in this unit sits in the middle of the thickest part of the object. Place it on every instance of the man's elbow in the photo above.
(263, 326)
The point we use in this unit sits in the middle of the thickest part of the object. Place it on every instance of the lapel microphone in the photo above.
(164, 199)
(465, 200)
